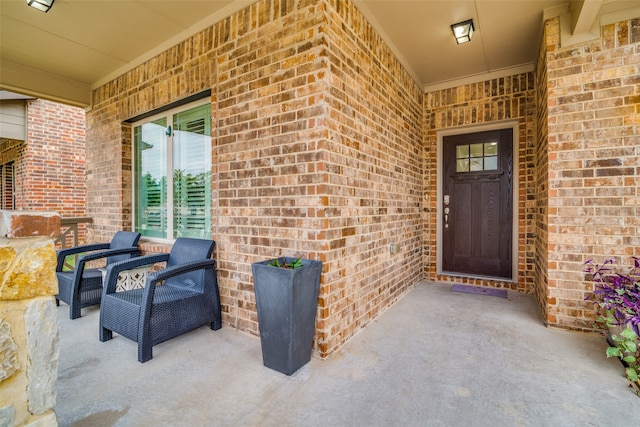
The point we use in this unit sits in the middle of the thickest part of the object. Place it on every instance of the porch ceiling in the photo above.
(79, 45)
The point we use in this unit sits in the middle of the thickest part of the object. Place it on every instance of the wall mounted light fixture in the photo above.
(42, 5)
(463, 31)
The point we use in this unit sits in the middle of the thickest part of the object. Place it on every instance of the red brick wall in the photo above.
(593, 168)
(309, 160)
(50, 165)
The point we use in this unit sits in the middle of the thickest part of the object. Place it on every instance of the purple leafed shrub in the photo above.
(618, 294)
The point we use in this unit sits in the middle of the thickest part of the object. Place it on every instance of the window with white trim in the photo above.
(172, 173)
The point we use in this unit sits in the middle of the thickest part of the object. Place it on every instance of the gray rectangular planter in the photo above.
(286, 301)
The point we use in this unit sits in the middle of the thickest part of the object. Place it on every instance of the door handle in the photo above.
(446, 211)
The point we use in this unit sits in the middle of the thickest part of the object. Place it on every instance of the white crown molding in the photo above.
(476, 78)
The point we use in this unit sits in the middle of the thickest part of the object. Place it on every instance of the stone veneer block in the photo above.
(8, 353)
(27, 256)
(17, 224)
(43, 349)
(7, 416)
(27, 268)
(29, 338)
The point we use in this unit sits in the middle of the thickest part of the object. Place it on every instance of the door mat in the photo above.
(502, 293)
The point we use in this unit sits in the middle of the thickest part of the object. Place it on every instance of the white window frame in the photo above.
(169, 114)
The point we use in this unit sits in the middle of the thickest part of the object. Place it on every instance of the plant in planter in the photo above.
(296, 263)
(286, 300)
(618, 296)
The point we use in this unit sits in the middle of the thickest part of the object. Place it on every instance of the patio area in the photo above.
(436, 358)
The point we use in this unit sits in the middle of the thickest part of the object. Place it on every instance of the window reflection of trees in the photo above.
(177, 204)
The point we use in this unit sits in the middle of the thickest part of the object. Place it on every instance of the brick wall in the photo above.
(185, 69)
(324, 147)
(271, 113)
(374, 176)
(593, 168)
(311, 157)
(542, 173)
(9, 150)
(50, 167)
(503, 99)
(54, 158)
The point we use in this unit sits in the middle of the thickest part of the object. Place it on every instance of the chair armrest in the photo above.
(110, 252)
(164, 274)
(114, 269)
(83, 248)
(64, 253)
(82, 261)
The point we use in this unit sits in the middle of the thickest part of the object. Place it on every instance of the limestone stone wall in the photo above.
(29, 342)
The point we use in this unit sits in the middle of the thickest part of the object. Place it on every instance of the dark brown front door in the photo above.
(477, 205)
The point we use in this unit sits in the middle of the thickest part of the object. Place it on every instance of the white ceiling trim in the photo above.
(496, 74)
(618, 16)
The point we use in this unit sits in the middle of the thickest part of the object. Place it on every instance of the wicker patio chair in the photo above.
(82, 286)
(181, 297)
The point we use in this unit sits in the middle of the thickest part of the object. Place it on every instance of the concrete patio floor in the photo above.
(436, 358)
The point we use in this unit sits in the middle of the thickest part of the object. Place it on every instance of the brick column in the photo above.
(29, 342)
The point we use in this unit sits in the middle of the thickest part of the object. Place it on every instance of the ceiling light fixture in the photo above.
(42, 5)
(463, 31)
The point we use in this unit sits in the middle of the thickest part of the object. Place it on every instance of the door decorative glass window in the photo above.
(477, 157)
